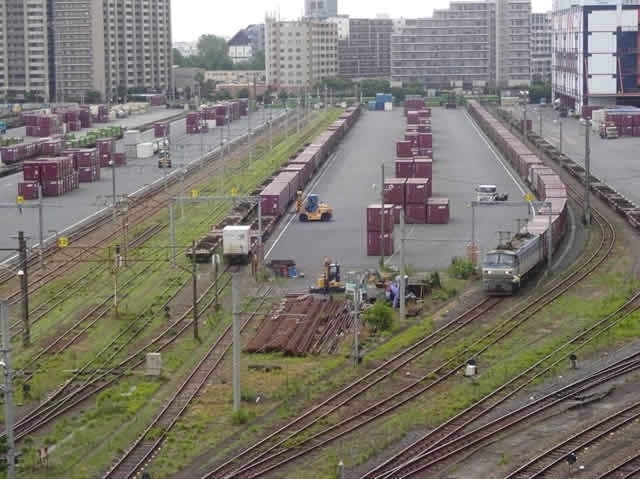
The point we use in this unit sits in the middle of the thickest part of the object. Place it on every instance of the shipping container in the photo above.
(375, 242)
(394, 191)
(31, 171)
(404, 168)
(419, 190)
(423, 167)
(28, 190)
(274, 199)
(415, 214)
(438, 211)
(403, 149)
(374, 217)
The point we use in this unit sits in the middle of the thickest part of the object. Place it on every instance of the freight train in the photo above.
(506, 267)
(279, 192)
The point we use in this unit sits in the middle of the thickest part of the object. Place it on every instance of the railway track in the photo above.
(81, 387)
(628, 468)
(272, 452)
(138, 455)
(39, 278)
(550, 459)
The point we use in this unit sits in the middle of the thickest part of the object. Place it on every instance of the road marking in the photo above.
(311, 186)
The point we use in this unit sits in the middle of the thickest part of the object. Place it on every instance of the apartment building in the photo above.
(451, 48)
(299, 53)
(240, 47)
(24, 48)
(541, 47)
(320, 8)
(468, 44)
(595, 48)
(366, 51)
(512, 45)
(235, 76)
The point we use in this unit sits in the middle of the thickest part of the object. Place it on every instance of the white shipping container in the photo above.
(388, 106)
(144, 150)
(132, 137)
(602, 84)
(602, 42)
(236, 240)
(600, 64)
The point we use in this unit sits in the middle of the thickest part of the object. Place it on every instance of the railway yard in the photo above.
(540, 383)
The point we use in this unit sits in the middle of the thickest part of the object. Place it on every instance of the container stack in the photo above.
(56, 176)
(106, 148)
(221, 114)
(101, 114)
(84, 115)
(243, 107)
(379, 235)
(383, 102)
(86, 163)
(626, 119)
(161, 129)
(193, 122)
(157, 100)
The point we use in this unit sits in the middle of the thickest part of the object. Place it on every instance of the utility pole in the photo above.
(24, 288)
(8, 377)
(560, 123)
(116, 266)
(524, 127)
(112, 163)
(40, 226)
(194, 279)
(236, 344)
(473, 235)
(403, 267)
(172, 235)
(298, 114)
(587, 173)
(356, 321)
(325, 96)
(382, 214)
(249, 129)
(540, 122)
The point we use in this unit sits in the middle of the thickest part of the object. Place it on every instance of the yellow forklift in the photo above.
(329, 282)
(313, 210)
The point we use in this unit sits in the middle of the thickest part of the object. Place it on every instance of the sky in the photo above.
(192, 18)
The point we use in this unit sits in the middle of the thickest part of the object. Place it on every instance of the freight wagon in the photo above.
(506, 268)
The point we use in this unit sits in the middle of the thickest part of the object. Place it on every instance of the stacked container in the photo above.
(102, 114)
(437, 211)
(84, 115)
(193, 122)
(379, 235)
(56, 176)
(87, 164)
(106, 148)
(418, 192)
(160, 130)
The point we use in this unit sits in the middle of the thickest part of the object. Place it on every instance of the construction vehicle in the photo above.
(329, 282)
(312, 209)
(608, 130)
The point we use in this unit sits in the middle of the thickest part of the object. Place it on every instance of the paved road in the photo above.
(462, 160)
(613, 161)
(91, 197)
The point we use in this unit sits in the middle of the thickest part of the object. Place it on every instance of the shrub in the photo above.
(460, 268)
(241, 416)
(380, 315)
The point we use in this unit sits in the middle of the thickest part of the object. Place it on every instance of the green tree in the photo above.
(178, 58)
(256, 62)
(379, 316)
(92, 96)
(213, 53)
(371, 86)
(208, 89)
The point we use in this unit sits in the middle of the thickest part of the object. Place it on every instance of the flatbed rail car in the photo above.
(510, 264)
(614, 199)
(281, 190)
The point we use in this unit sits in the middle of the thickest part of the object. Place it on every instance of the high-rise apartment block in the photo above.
(24, 48)
(298, 53)
(469, 44)
(366, 51)
(320, 8)
(541, 47)
(69, 47)
(595, 52)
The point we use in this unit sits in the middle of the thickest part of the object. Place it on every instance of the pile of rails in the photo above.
(411, 189)
(530, 245)
(383, 102)
(280, 191)
(301, 325)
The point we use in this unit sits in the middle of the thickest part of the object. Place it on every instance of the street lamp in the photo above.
(112, 164)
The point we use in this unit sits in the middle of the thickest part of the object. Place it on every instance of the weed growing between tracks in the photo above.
(562, 320)
(97, 449)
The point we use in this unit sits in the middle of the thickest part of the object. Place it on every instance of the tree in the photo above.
(213, 53)
(178, 58)
(372, 86)
(92, 96)
(379, 316)
(256, 62)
